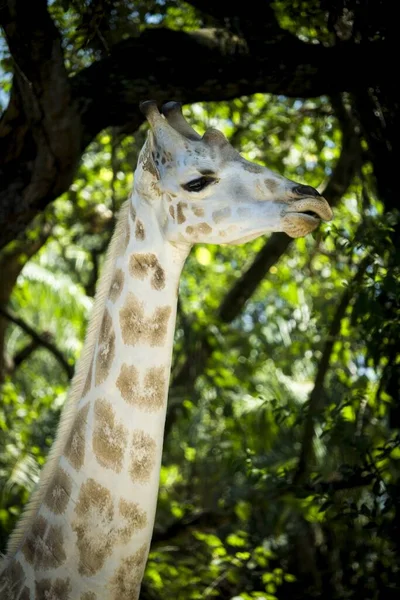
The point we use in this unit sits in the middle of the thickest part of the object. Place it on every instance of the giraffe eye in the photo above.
(196, 185)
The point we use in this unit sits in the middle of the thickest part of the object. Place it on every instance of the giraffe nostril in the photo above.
(306, 190)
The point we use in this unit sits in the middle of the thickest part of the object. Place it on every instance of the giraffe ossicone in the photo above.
(86, 532)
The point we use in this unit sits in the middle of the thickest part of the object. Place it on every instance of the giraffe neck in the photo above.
(91, 534)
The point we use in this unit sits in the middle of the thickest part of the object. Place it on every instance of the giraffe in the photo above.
(86, 532)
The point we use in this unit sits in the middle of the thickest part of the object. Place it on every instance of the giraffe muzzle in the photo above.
(313, 207)
(303, 216)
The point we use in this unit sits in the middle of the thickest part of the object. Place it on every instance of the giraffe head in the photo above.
(203, 190)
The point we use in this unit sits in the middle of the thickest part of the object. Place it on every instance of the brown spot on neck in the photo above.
(143, 456)
(125, 238)
(117, 285)
(25, 594)
(125, 583)
(98, 525)
(94, 504)
(151, 395)
(135, 519)
(88, 382)
(128, 383)
(109, 437)
(137, 328)
(12, 580)
(75, 446)
(58, 589)
(141, 264)
(44, 545)
(58, 492)
(105, 349)
(155, 388)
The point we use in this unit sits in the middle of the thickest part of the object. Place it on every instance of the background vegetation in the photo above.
(281, 467)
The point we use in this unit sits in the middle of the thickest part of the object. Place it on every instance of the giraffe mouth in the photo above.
(309, 213)
(316, 209)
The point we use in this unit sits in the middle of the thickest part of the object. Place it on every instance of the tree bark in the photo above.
(12, 261)
(40, 130)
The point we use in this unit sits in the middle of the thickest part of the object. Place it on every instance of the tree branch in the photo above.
(41, 339)
(239, 16)
(204, 518)
(212, 520)
(224, 9)
(225, 69)
(51, 118)
(24, 353)
(40, 130)
(357, 479)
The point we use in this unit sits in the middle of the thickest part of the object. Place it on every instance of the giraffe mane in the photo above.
(70, 408)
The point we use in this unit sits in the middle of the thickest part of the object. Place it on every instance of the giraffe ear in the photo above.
(214, 137)
(148, 160)
(153, 155)
(147, 175)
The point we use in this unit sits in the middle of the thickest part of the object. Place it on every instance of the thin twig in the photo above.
(25, 353)
(41, 339)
